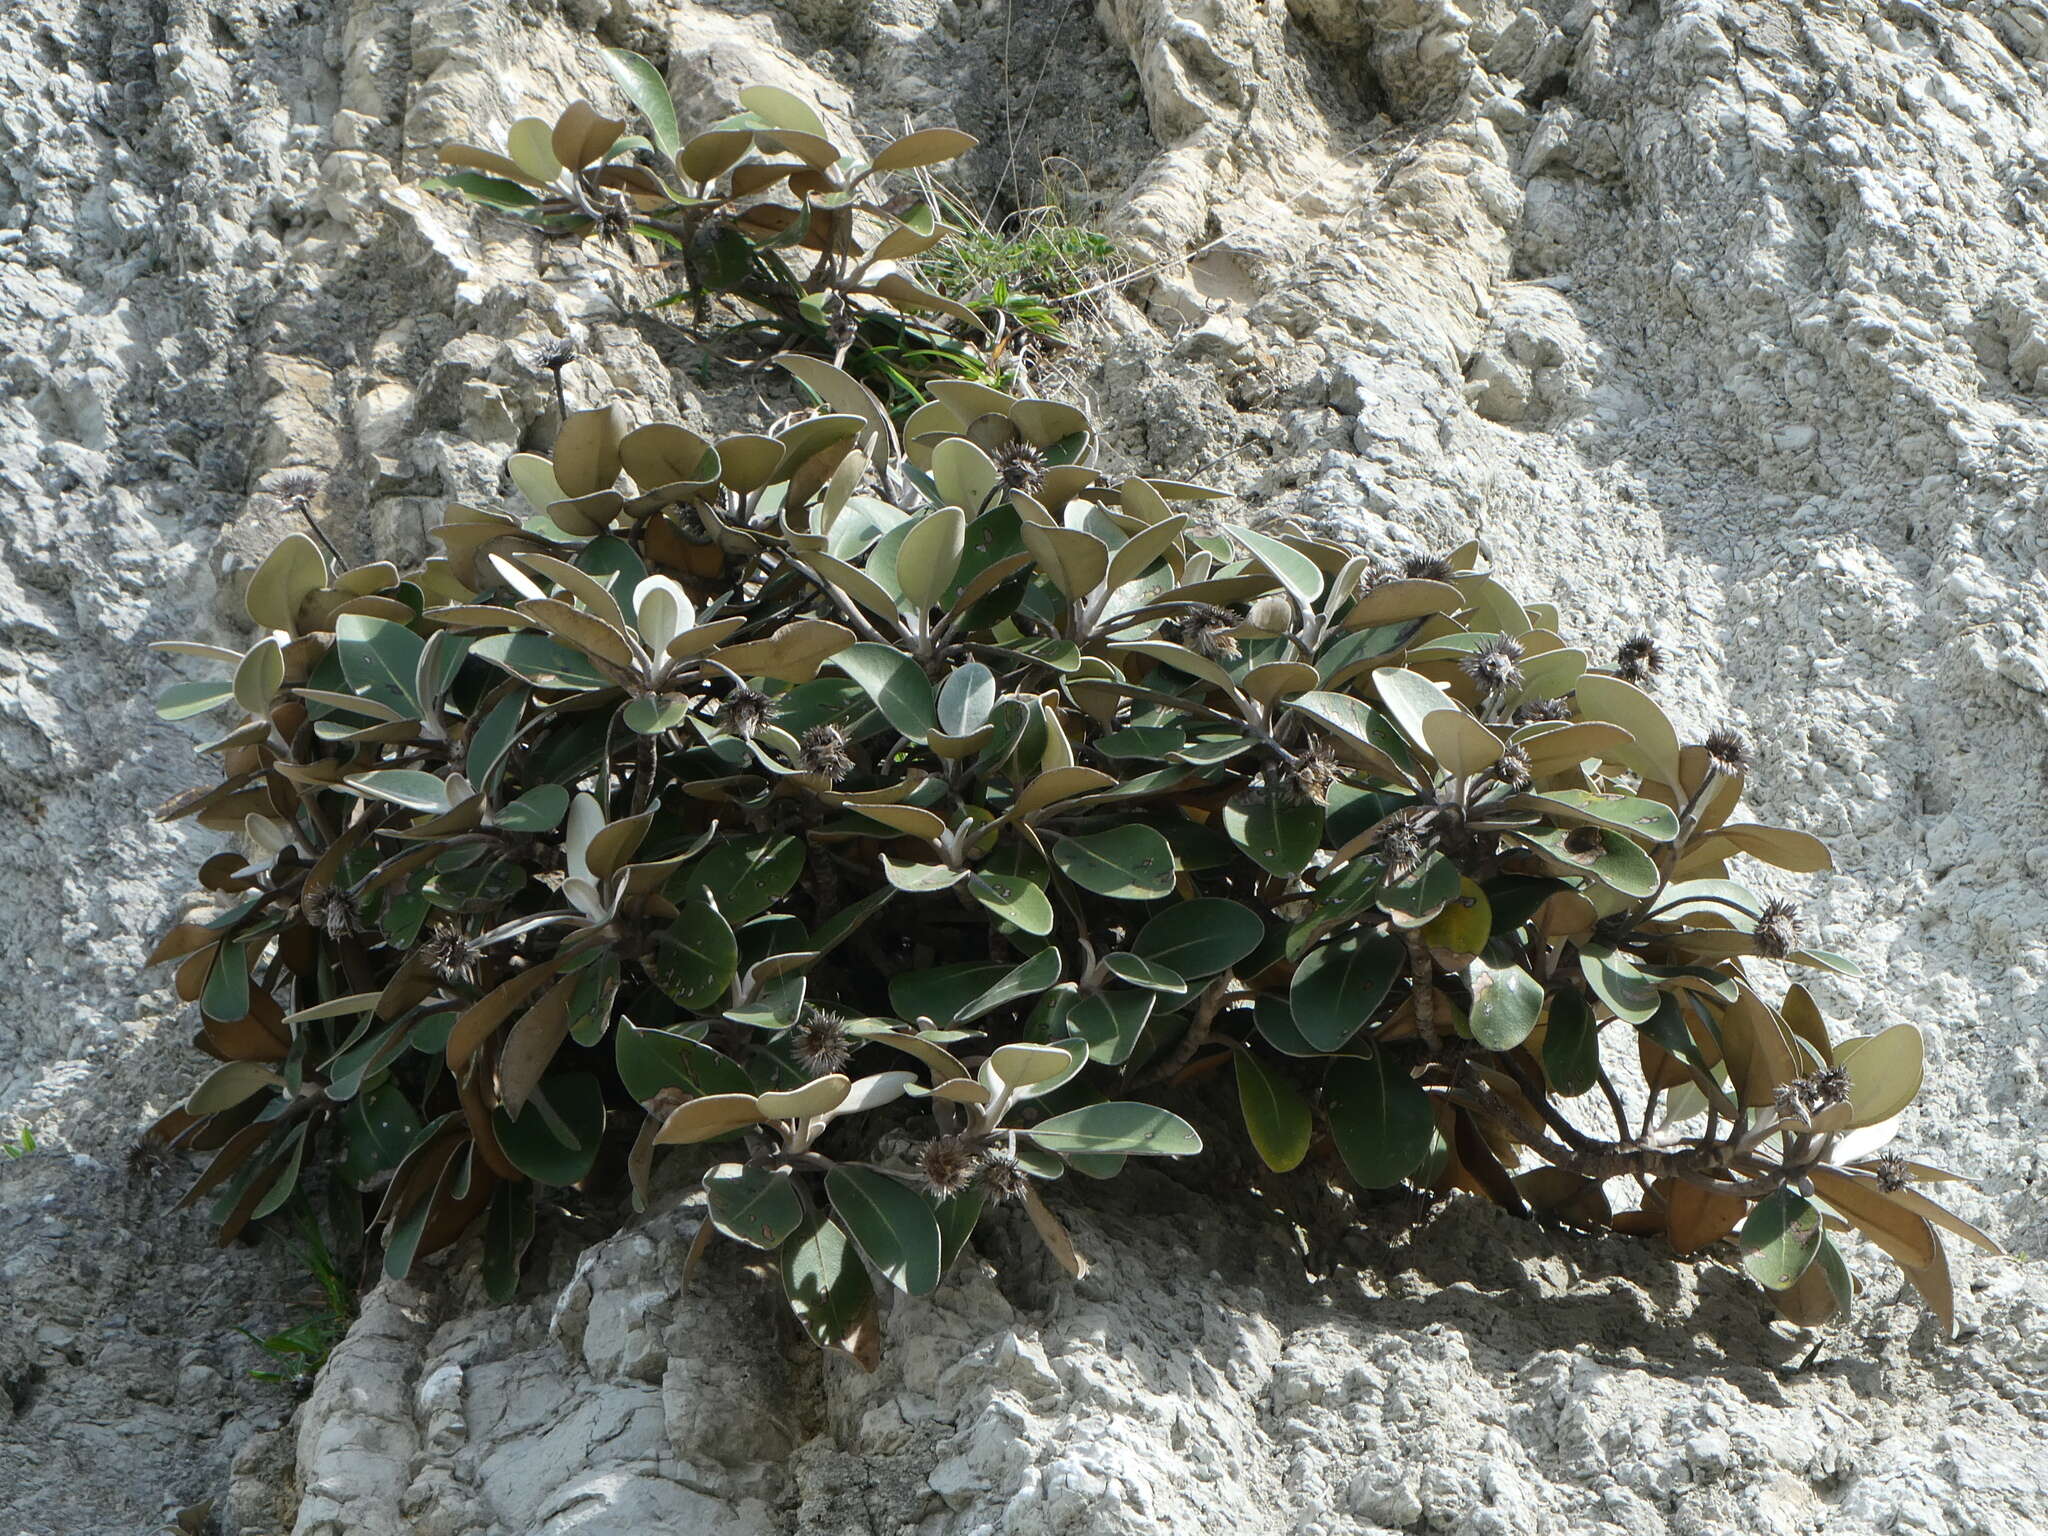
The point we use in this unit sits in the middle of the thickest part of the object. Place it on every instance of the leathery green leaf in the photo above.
(1275, 1116)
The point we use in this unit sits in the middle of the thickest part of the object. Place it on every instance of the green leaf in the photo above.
(1281, 835)
(1150, 743)
(895, 683)
(508, 1230)
(1275, 1116)
(286, 1180)
(828, 1290)
(1339, 987)
(753, 1205)
(541, 660)
(921, 879)
(491, 737)
(966, 699)
(1295, 571)
(380, 659)
(746, 875)
(643, 85)
(226, 994)
(1025, 980)
(939, 992)
(651, 714)
(1129, 863)
(1142, 1130)
(694, 960)
(556, 1137)
(1380, 1119)
(1505, 1005)
(1418, 897)
(1112, 1023)
(1149, 974)
(1571, 1045)
(1276, 1026)
(1617, 861)
(540, 809)
(890, 1223)
(1780, 1238)
(412, 788)
(649, 1060)
(1624, 813)
(377, 1128)
(494, 191)
(181, 701)
(957, 1217)
(1013, 899)
(1200, 938)
(1617, 982)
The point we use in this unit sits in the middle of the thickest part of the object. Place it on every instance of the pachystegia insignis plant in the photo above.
(763, 207)
(910, 819)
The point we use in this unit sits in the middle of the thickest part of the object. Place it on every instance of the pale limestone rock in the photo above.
(1722, 319)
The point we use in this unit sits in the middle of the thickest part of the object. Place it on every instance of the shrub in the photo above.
(737, 208)
(915, 818)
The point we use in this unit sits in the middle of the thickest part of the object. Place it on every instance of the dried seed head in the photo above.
(1426, 568)
(824, 751)
(1542, 709)
(1401, 849)
(1494, 666)
(1585, 844)
(555, 354)
(1891, 1173)
(820, 1041)
(1726, 750)
(449, 952)
(614, 216)
(1790, 1103)
(1020, 466)
(1777, 930)
(844, 328)
(744, 712)
(334, 913)
(1639, 659)
(1827, 1088)
(947, 1164)
(1205, 630)
(1513, 768)
(1314, 773)
(1001, 1176)
(297, 485)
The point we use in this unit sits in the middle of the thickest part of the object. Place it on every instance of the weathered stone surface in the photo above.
(1728, 319)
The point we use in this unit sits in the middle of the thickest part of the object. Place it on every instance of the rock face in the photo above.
(1724, 318)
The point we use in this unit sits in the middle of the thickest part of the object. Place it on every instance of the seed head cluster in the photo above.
(450, 952)
(1812, 1095)
(820, 1041)
(1639, 659)
(1495, 667)
(1314, 773)
(946, 1165)
(1542, 709)
(1777, 930)
(1020, 466)
(1426, 568)
(1726, 750)
(1206, 630)
(823, 751)
(744, 712)
(1513, 767)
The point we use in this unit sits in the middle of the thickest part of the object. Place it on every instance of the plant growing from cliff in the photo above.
(901, 821)
(762, 207)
